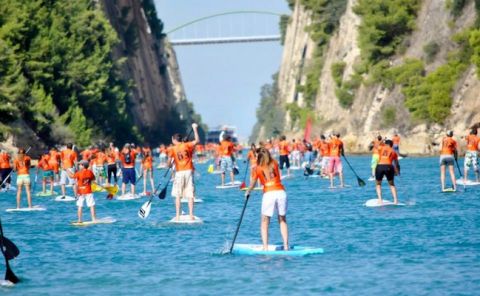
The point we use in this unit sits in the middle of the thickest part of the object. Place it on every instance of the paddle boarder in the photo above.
(387, 166)
(274, 195)
(448, 155)
(226, 158)
(471, 156)
(5, 169)
(335, 163)
(127, 158)
(21, 165)
(284, 152)
(183, 186)
(48, 175)
(68, 158)
(147, 168)
(84, 178)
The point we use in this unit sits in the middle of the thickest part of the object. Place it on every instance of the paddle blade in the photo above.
(111, 189)
(210, 168)
(145, 210)
(10, 249)
(243, 185)
(235, 171)
(163, 193)
(361, 183)
(9, 275)
(96, 188)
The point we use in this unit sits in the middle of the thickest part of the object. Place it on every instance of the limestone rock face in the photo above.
(363, 120)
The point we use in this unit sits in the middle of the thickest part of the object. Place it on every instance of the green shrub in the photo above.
(284, 21)
(345, 97)
(337, 72)
(431, 49)
(389, 116)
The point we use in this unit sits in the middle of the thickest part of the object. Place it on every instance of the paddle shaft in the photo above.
(239, 223)
(9, 275)
(8, 176)
(246, 171)
(351, 167)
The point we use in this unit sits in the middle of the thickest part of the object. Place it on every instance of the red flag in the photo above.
(308, 130)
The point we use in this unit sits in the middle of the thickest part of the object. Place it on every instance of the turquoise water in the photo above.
(430, 247)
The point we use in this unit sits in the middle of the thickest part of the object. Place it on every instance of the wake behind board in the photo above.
(274, 250)
(129, 196)
(65, 198)
(468, 183)
(185, 219)
(196, 200)
(106, 220)
(32, 209)
(373, 203)
(12, 188)
(5, 283)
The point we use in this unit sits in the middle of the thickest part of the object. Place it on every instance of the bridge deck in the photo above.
(181, 42)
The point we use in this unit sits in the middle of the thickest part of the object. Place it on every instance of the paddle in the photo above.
(144, 211)
(163, 193)
(245, 177)
(239, 223)
(9, 275)
(361, 183)
(8, 176)
(112, 190)
(459, 171)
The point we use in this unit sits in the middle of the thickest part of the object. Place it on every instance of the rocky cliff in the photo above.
(365, 116)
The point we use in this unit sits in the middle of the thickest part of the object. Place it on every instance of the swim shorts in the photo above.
(128, 176)
(274, 201)
(226, 164)
(64, 177)
(86, 197)
(23, 180)
(335, 165)
(375, 158)
(284, 161)
(447, 160)
(471, 160)
(183, 185)
(384, 170)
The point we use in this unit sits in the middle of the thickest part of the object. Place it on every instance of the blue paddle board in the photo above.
(274, 250)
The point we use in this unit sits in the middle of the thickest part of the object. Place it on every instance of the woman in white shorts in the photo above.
(84, 178)
(274, 195)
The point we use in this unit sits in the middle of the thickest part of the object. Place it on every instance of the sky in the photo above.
(223, 81)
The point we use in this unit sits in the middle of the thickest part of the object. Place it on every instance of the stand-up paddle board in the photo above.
(255, 188)
(65, 198)
(5, 283)
(217, 172)
(106, 220)
(468, 183)
(196, 200)
(274, 250)
(46, 194)
(129, 196)
(372, 203)
(235, 184)
(32, 209)
(12, 188)
(339, 187)
(449, 190)
(185, 219)
(295, 168)
(287, 177)
(161, 166)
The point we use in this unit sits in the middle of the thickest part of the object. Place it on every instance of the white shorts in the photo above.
(64, 177)
(325, 162)
(88, 197)
(274, 200)
(183, 185)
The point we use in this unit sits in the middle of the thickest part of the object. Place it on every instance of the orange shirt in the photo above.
(147, 162)
(226, 148)
(324, 148)
(335, 147)
(44, 163)
(123, 159)
(84, 181)
(100, 158)
(86, 154)
(448, 146)
(182, 156)
(4, 161)
(376, 146)
(68, 157)
(251, 157)
(387, 155)
(111, 156)
(22, 166)
(396, 140)
(284, 147)
(472, 142)
(269, 178)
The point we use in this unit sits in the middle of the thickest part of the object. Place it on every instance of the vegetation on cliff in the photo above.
(57, 73)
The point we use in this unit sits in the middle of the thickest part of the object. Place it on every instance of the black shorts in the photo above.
(384, 170)
(284, 160)
(4, 173)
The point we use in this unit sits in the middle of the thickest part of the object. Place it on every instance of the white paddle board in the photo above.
(216, 172)
(46, 194)
(106, 220)
(468, 183)
(5, 283)
(338, 187)
(372, 203)
(129, 196)
(65, 198)
(32, 209)
(229, 185)
(286, 177)
(185, 219)
(295, 168)
(255, 188)
(196, 200)
(449, 190)
(12, 188)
